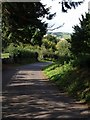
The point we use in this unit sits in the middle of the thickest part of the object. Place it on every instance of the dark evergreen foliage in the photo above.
(80, 40)
(70, 4)
(20, 21)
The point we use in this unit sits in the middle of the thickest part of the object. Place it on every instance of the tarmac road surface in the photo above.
(27, 93)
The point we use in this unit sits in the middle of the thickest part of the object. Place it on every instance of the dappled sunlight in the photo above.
(26, 74)
(35, 97)
(38, 104)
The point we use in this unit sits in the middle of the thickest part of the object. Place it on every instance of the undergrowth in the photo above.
(74, 80)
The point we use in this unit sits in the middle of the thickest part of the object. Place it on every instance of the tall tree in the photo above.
(80, 39)
(20, 21)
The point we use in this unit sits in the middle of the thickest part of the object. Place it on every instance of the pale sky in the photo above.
(70, 19)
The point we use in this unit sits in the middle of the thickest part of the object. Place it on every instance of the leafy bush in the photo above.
(82, 61)
(25, 55)
(63, 48)
(51, 56)
(20, 54)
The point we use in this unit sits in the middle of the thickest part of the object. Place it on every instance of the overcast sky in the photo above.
(70, 19)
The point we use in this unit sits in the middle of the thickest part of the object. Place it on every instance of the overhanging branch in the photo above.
(56, 27)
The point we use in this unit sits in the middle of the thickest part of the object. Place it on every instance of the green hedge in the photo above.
(25, 56)
(21, 55)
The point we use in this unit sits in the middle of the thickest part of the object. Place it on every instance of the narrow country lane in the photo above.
(28, 94)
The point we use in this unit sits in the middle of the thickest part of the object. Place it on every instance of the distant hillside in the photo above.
(61, 34)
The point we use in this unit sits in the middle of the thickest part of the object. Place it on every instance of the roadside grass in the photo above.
(74, 80)
(4, 55)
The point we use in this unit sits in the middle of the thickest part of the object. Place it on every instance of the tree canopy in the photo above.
(70, 4)
(80, 39)
(22, 21)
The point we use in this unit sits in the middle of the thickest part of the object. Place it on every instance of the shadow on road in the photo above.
(28, 94)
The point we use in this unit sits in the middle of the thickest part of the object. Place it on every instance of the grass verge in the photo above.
(74, 80)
